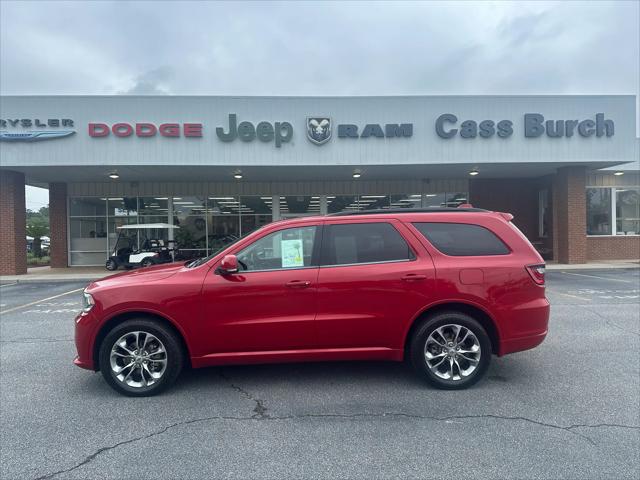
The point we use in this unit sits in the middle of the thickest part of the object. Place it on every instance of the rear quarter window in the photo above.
(462, 239)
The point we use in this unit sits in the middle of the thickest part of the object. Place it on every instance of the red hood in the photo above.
(147, 274)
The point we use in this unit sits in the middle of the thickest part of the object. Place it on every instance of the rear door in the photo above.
(374, 277)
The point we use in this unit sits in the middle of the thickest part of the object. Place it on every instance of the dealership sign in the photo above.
(22, 129)
(535, 125)
(319, 129)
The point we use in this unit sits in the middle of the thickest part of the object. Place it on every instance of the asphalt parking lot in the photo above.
(568, 409)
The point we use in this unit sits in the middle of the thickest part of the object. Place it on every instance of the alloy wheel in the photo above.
(452, 352)
(138, 359)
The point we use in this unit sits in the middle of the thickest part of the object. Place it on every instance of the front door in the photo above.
(270, 304)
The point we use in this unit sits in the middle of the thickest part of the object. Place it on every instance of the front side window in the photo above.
(285, 249)
(462, 239)
(354, 243)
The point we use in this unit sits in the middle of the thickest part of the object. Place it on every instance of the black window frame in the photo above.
(315, 252)
(412, 257)
(508, 250)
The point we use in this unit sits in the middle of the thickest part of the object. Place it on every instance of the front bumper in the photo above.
(85, 325)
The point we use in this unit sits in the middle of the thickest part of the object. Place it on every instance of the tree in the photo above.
(37, 227)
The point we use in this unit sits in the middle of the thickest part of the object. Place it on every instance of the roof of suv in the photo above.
(407, 210)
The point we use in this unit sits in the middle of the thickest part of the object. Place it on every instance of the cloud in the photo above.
(319, 48)
(153, 82)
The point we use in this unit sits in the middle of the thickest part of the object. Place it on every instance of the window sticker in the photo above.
(292, 255)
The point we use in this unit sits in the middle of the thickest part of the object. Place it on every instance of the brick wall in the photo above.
(613, 248)
(13, 244)
(570, 215)
(58, 224)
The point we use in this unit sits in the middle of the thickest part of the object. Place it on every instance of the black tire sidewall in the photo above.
(146, 263)
(421, 335)
(175, 356)
(112, 264)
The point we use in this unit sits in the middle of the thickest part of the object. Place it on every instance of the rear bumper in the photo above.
(527, 327)
(522, 343)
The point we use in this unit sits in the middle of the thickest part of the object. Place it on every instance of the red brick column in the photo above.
(13, 243)
(570, 215)
(58, 224)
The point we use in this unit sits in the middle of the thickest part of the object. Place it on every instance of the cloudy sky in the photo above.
(318, 48)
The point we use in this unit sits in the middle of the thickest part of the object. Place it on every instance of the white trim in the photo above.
(614, 236)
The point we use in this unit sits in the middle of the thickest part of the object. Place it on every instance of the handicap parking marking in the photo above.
(568, 295)
(37, 302)
(599, 278)
(608, 294)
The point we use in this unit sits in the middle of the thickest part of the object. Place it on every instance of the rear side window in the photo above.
(354, 243)
(461, 239)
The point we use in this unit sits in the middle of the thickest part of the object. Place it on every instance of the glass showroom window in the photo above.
(627, 212)
(254, 213)
(190, 214)
(87, 231)
(122, 211)
(223, 225)
(613, 211)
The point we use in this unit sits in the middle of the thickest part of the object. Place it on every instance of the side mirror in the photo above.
(228, 265)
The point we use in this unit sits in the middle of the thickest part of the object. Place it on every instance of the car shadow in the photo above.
(367, 374)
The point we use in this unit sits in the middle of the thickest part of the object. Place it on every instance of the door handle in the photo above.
(298, 284)
(413, 277)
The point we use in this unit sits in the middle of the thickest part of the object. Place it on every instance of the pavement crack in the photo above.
(260, 414)
(260, 411)
(89, 458)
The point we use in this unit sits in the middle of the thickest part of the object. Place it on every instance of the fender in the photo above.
(446, 302)
(107, 318)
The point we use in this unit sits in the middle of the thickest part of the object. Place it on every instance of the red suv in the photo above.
(444, 289)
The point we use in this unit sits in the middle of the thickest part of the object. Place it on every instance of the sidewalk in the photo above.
(48, 274)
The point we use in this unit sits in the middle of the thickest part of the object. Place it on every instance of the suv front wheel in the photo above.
(450, 350)
(140, 357)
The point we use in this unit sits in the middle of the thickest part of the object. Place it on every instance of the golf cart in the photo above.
(151, 252)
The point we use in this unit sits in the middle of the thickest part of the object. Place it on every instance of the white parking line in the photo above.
(601, 278)
(568, 295)
(9, 310)
(8, 284)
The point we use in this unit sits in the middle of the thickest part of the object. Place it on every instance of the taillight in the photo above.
(536, 272)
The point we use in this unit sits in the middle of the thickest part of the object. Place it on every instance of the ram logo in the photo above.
(318, 129)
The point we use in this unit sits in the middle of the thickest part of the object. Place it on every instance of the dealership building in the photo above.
(218, 167)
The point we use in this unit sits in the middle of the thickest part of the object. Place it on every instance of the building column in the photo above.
(58, 225)
(13, 242)
(570, 215)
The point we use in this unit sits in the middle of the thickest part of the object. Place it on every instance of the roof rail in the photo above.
(407, 210)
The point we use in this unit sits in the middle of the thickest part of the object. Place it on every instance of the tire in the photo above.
(111, 265)
(147, 262)
(139, 380)
(448, 368)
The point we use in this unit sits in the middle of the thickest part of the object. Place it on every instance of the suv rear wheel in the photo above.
(140, 358)
(450, 350)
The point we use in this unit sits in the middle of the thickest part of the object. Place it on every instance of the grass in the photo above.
(33, 261)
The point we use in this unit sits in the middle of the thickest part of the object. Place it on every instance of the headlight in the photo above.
(87, 301)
